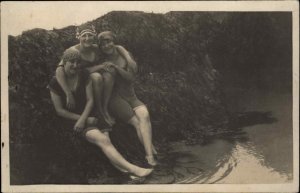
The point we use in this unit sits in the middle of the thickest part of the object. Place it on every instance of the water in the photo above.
(259, 152)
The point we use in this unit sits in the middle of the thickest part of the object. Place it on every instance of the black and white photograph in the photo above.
(150, 96)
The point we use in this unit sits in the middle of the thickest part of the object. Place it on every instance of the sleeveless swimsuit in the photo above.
(80, 98)
(124, 100)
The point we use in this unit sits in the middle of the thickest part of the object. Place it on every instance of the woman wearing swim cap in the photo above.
(124, 104)
(102, 82)
(82, 118)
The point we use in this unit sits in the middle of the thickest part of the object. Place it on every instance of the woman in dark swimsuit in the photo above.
(82, 117)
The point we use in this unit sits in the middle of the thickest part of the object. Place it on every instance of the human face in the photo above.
(87, 39)
(107, 44)
(71, 67)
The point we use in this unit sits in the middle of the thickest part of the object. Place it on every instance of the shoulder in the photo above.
(123, 50)
(54, 86)
(75, 47)
(120, 48)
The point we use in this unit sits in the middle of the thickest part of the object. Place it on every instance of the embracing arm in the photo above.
(57, 102)
(81, 119)
(98, 67)
(89, 101)
(61, 79)
(127, 74)
(125, 54)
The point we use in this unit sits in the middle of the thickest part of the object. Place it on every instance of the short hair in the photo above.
(110, 33)
(70, 54)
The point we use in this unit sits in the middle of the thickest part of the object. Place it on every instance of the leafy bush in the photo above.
(177, 81)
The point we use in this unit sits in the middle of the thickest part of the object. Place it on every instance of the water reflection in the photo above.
(245, 153)
(231, 157)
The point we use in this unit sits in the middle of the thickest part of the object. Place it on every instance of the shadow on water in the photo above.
(244, 119)
(239, 120)
(233, 131)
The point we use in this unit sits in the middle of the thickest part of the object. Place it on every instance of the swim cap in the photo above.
(106, 33)
(70, 54)
(85, 28)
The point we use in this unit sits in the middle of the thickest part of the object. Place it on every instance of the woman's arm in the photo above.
(127, 74)
(125, 54)
(88, 107)
(57, 102)
(89, 101)
(98, 67)
(81, 119)
(61, 79)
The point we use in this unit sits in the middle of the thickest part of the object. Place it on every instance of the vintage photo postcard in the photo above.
(155, 96)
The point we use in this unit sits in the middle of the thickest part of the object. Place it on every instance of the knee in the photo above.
(134, 122)
(143, 114)
(104, 142)
(96, 78)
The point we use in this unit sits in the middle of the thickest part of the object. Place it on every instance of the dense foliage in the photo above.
(177, 54)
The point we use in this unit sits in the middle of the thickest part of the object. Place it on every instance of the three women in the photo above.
(83, 116)
(101, 77)
(81, 80)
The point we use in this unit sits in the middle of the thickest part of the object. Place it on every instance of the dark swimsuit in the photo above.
(124, 101)
(80, 98)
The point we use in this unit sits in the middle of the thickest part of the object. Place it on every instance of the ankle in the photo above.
(149, 156)
(151, 161)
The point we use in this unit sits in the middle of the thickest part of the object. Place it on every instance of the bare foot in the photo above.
(151, 160)
(141, 172)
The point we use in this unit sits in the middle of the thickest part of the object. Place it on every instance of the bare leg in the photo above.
(109, 80)
(146, 132)
(98, 89)
(102, 140)
(145, 128)
(136, 124)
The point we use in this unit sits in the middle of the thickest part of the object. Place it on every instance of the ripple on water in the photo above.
(220, 162)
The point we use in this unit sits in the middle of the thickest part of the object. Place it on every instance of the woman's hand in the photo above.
(92, 121)
(108, 66)
(70, 101)
(131, 63)
(79, 125)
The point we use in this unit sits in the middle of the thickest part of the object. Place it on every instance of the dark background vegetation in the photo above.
(186, 61)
